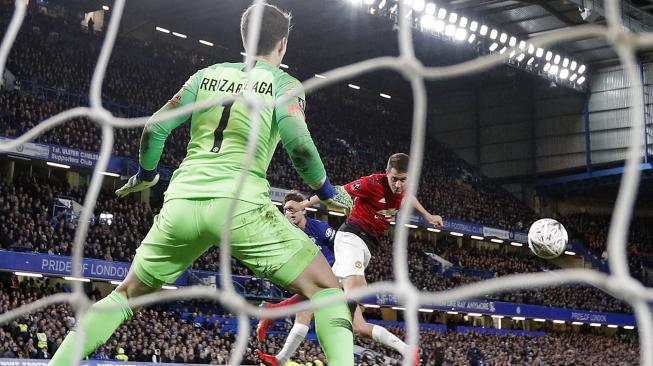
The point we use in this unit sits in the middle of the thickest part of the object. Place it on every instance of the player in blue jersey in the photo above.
(323, 235)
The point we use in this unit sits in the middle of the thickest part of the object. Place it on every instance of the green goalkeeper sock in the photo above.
(100, 325)
(334, 330)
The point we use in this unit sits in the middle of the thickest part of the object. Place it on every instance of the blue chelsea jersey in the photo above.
(323, 235)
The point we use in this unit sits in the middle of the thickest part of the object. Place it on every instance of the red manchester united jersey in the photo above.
(375, 205)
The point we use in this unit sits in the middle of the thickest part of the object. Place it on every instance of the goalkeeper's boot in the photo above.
(268, 360)
(263, 325)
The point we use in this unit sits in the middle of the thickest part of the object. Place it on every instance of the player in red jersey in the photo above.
(377, 198)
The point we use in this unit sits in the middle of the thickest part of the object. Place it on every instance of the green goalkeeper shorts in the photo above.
(261, 238)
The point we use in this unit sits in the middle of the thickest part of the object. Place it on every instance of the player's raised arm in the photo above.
(154, 136)
(299, 145)
(435, 220)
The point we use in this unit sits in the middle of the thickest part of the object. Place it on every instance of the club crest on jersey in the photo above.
(359, 264)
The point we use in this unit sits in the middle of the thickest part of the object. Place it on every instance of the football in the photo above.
(547, 238)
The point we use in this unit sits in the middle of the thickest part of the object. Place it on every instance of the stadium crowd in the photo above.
(28, 223)
(165, 334)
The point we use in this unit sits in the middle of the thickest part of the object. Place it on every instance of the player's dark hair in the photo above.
(398, 161)
(275, 25)
(293, 196)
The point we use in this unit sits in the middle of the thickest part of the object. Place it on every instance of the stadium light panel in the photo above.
(497, 316)
(493, 34)
(243, 54)
(426, 310)
(283, 66)
(474, 314)
(372, 306)
(78, 279)
(503, 50)
(595, 324)
(576, 323)
(498, 241)
(613, 326)
(512, 42)
(452, 312)
(564, 73)
(453, 17)
(539, 320)
(539, 52)
(530, 61)
(554, 70)
(512, 54)
(428, 22)
(109, 174)
(369, 2)
(312, 209)
(354, 86)
(393, 9)
(169, 287)
(430, 9)
(28, 274)
(115, 282)
(438, 26)
(472, 38)
(581, 69)
(461, 34)
(531, 49)
(411, 226)
(503, 38)
(442, 13)
(559, 321)
(518, 318)
(57, 165)
(573, 77)
(180, 35)
(547, 67)
(522, 45)
(568, 252)
(493, 46)
(454, 233)
(521, 56)
(573, 66)
(580, 80)
(516, 244)
(629, 327)
(104, 7)
(386, 96)
(549, 55)
(206, 43)
(556, 59)
(398, 308)
(450, 30)
(476, 237)
(463, 22)
(483, 30)
(320, 76)
(382, 4)
(334, 213)
(565, 62)
(161, 29)
(432, 229)
(418, 5)
(473, 26)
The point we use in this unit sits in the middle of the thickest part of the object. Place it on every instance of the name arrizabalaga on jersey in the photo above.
(229, 86)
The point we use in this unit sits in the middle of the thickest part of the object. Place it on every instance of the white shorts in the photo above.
(352, 255)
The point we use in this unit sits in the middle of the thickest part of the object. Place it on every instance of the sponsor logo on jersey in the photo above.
(359, 264)
(330, 233)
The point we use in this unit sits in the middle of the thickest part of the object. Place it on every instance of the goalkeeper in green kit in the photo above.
(201, 189)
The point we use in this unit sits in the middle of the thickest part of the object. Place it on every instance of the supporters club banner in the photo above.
(514, 310)
(63, 155)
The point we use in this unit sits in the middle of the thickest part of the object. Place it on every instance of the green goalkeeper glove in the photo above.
(136, 184)
(341, 200)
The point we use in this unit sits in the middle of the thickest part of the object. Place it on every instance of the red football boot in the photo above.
(263, 325)
(268, 360)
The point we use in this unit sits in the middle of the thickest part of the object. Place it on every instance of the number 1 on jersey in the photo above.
(218, 134)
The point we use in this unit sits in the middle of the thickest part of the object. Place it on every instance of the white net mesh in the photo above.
(619, 284)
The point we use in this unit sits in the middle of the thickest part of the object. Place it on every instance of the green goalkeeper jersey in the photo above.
(217, 149)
